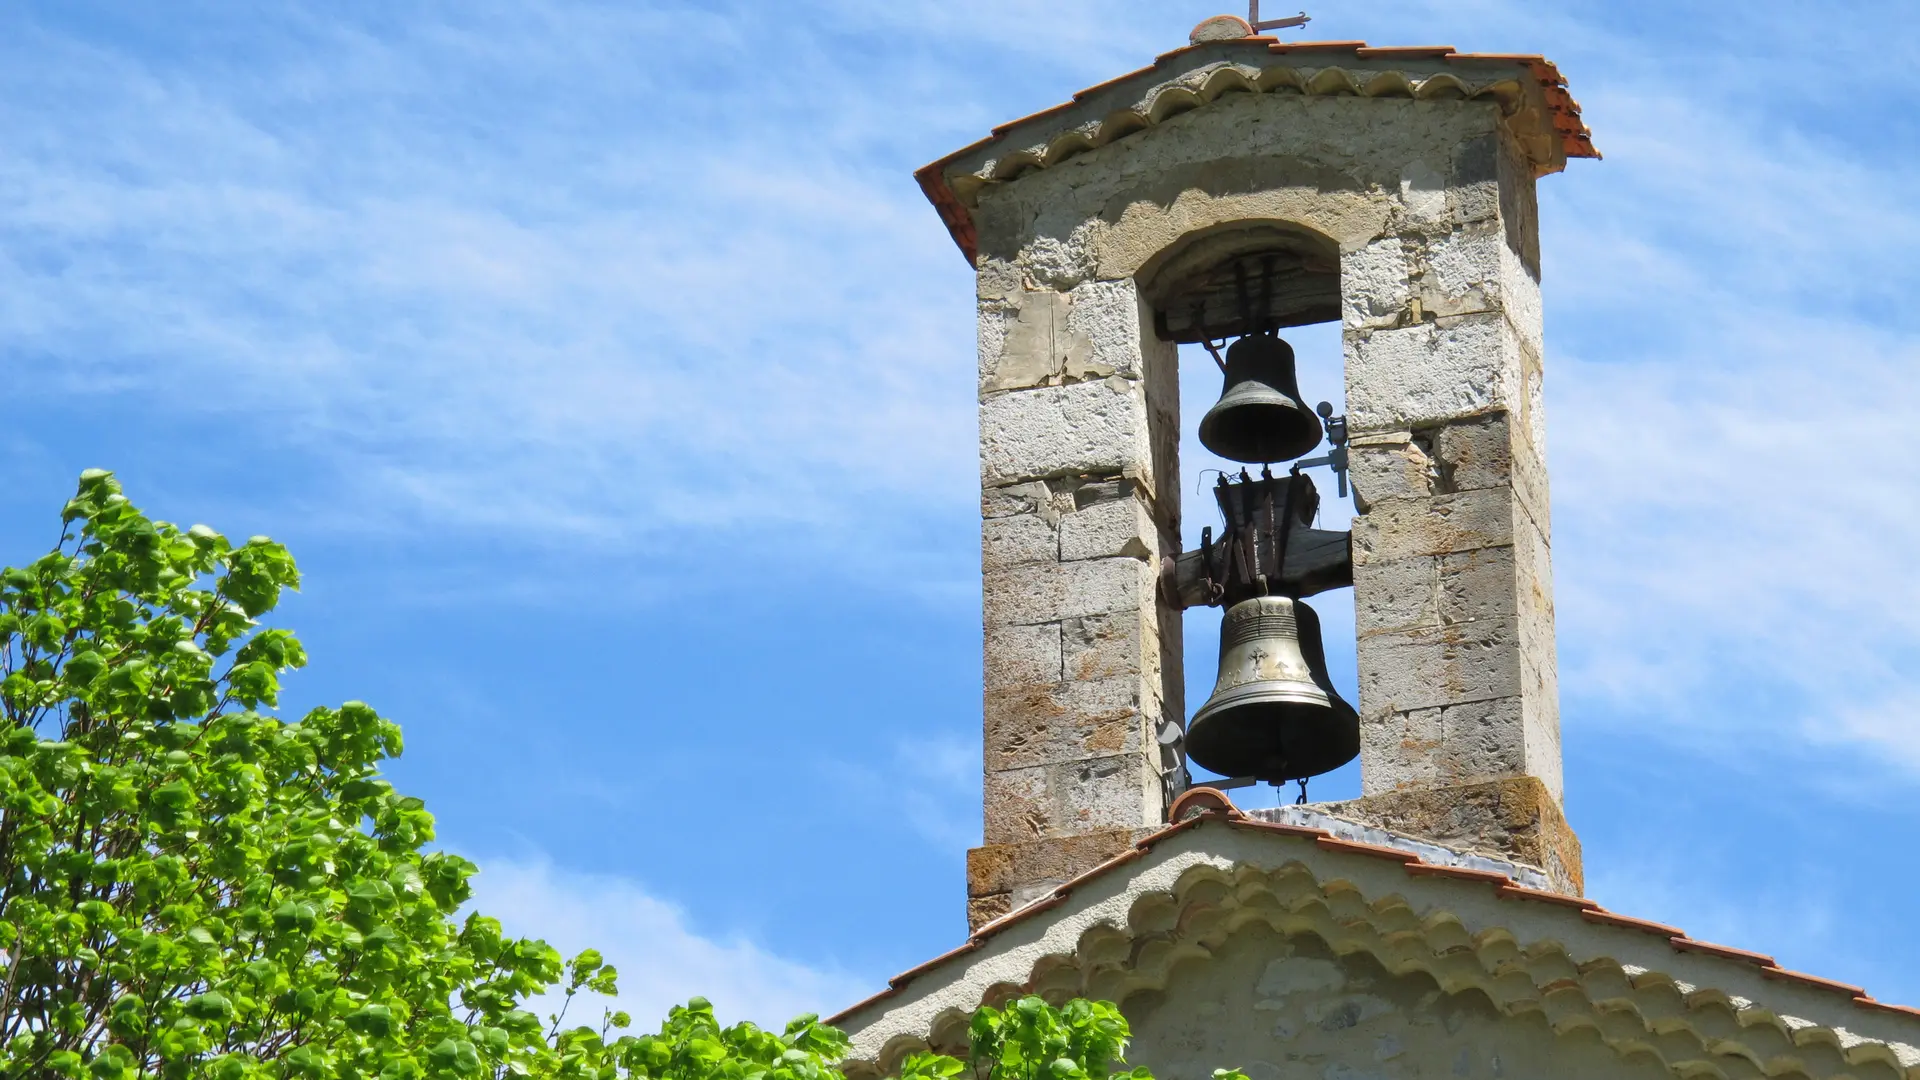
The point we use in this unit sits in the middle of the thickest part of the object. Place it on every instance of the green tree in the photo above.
(191, 886)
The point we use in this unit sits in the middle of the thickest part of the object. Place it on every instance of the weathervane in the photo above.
(1253, 19)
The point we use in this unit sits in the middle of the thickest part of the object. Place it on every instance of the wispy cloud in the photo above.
(662, 959)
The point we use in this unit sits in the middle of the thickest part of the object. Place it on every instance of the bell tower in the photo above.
(1391, 189)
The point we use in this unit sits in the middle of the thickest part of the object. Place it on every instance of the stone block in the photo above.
(1016, 541)
(1107, 316)
(1004, 868)
(1462, 270)
(1022, 655)
(1115, 528)
(1440, 525)
(1479, 584)
(1045, 593)
(1388, 465)
(982, 910)
(1041, 337)
(1109, 646)
(1541, 713)
(1375, 288)
(1516, 818)
(1041, 724)
(1476, 452)
(1476, 179)
(1070, 798)
(1009, 500)
(1088, 427)
(1024, 341)
(1448, 744)
(1445, 665)
(1403, 378)
(1396, 594)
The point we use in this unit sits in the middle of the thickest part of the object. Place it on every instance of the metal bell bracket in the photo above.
(1295, 560)
(1336, 457)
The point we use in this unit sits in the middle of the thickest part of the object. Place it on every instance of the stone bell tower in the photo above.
(1393, 188)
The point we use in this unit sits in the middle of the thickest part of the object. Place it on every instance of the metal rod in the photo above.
(1253, 19)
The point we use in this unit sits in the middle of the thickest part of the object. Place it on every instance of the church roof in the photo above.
(1529, 89)
(1178, 891)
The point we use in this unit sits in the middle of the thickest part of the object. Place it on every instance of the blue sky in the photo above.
(613, 383)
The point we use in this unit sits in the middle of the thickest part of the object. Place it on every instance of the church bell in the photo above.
(1274, 714)
(1260, 417)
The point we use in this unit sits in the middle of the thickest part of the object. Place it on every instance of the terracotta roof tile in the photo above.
(1317, 46)
(1464, 873)
(1406, 52)
(1686, 944)
(1869, 1003)
(1378, 850)
(908, 975)
(1576, 140)
(1278, 827)
(1813, 980)
(1415, 867)
(1515, 892)
(1602, 915)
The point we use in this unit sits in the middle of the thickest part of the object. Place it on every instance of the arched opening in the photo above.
(1219, 283)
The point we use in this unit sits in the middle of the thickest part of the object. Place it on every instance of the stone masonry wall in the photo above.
(1079, 425)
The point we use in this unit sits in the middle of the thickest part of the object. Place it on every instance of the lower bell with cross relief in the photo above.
(1274, 715)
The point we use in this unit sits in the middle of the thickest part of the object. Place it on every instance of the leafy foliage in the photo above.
(192, 887)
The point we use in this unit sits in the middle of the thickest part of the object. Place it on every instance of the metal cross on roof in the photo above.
(1253, 19)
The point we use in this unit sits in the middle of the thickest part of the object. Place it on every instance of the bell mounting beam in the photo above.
(1266, 548)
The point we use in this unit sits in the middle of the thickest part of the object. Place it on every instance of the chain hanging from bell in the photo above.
(1260, 417)
(1274, 714)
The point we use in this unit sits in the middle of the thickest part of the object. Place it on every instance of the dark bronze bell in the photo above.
(1260, 417)
(1274, 714)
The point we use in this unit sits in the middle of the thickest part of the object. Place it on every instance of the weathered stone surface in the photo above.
(1388, 465)
(1043, 593)
(1443, 745)
(1002, 868)
(982, 910)
(1477, 585)
(1045, 724)
(1031, 497)
(1072, 797)
(1016, 541)
(1438, 525)
(1109, 646)
(1057, 430)
(1442, 665)
(1120, 527)
(1042, 337)
(1400, 378)
(1517, 817)
(1376, 290)
(1396, 594)
(1022, 655)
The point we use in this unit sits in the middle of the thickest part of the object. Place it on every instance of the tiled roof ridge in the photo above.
(1203, 805)
(1575, 139)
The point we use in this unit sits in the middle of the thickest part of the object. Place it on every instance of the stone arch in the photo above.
(1287, 273)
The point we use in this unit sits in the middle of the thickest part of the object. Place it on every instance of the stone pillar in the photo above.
(1078, 422)
(1453, 584)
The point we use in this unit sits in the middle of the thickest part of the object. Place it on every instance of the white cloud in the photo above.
(932, 784)
(661, 959)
